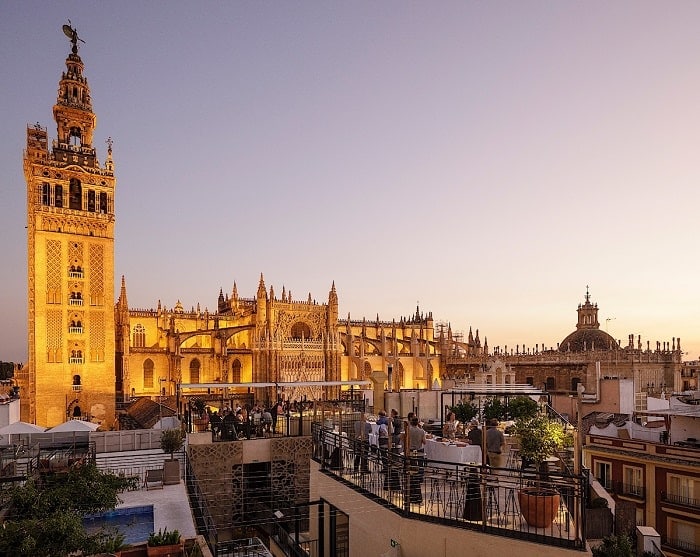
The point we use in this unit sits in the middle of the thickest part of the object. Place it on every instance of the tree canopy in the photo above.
(44, 516)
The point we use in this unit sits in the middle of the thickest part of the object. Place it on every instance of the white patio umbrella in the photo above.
(21, 427)
(74, 425)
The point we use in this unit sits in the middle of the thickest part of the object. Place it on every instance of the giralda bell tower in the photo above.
(70, 227)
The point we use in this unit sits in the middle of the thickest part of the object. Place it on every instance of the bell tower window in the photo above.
(58, 195)
(75, 195)
(75, 133)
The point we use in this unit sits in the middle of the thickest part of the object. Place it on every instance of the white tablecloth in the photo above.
(437, 450)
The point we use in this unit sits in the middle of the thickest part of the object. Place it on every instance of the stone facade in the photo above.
(70, 227)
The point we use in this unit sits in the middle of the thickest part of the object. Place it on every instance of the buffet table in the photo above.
(451, 452)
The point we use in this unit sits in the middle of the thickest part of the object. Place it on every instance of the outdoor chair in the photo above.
(153, 479)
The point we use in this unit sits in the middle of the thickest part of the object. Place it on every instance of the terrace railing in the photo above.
(467, 496)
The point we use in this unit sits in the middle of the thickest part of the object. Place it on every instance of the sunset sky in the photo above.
(484, 160)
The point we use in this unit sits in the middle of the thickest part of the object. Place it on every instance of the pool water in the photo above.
(135, 523)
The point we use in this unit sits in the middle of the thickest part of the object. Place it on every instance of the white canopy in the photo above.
(75, 425)
(169, 422)
(21, 427)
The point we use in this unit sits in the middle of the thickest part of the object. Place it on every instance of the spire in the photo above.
(234, 293)
(122, 294)
(262, 293)
(73, 113)
(284, 293)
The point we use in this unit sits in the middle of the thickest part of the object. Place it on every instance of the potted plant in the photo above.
(166, 543)
(494, 407)
(540, 438)
(171, 440)
(465, 411)
(522, 408)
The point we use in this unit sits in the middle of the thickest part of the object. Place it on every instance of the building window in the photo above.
(45, 194)
(530, 381)
(603, 473)
(575, 383)
(551, 383)
(236, 371)
(139, 336)
(58, 195)
(76, 383)
(632, 482)
(148, 374)
(75, 194)
(103, 203)
(684, 490)
(683, 535)
(194, 371)
(300, 331)
(91, 201)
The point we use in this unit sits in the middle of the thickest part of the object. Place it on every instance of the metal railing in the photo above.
(680, 500)
(462, 495)
(681, 545)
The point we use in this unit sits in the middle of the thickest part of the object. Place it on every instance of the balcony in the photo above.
(75, 330)
(680, 500)
(77, 388)
(75, 274)
(682, 545)
(461, 495)
(75, 360)
(75, 302)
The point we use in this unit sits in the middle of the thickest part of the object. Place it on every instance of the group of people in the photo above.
(495, 438)
(228, 424)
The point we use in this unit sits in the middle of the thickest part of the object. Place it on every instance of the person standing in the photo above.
(495, 445)
(362, 431)
(416, 449)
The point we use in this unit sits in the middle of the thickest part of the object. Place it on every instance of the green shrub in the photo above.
(465, 411)
(164, 537)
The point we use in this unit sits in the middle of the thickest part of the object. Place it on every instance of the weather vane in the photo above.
(72, 34)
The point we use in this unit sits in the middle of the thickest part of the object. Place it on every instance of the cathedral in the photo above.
(89, 356)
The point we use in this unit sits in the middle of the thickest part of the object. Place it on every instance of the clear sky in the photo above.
(486, 160)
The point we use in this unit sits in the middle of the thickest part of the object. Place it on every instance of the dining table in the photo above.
(452, 452)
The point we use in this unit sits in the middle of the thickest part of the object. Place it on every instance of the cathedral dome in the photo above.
(587, 339)
(587, 335)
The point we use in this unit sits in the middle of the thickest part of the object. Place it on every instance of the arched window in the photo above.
(139, 336)
(76, 380)
(75, 194)
(45, 194)
(236, 371)
(300, 330)
(148, 374)
(194, 371)
(58, 195)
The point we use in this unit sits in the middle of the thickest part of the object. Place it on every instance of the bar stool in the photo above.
(436, 484)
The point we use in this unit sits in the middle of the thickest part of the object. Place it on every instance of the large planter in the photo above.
(175, 550)
(171, 472)
(539, 506)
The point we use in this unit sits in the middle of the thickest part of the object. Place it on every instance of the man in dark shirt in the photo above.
(474, 434)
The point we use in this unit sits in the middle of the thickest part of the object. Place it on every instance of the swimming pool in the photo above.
(135, 523)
